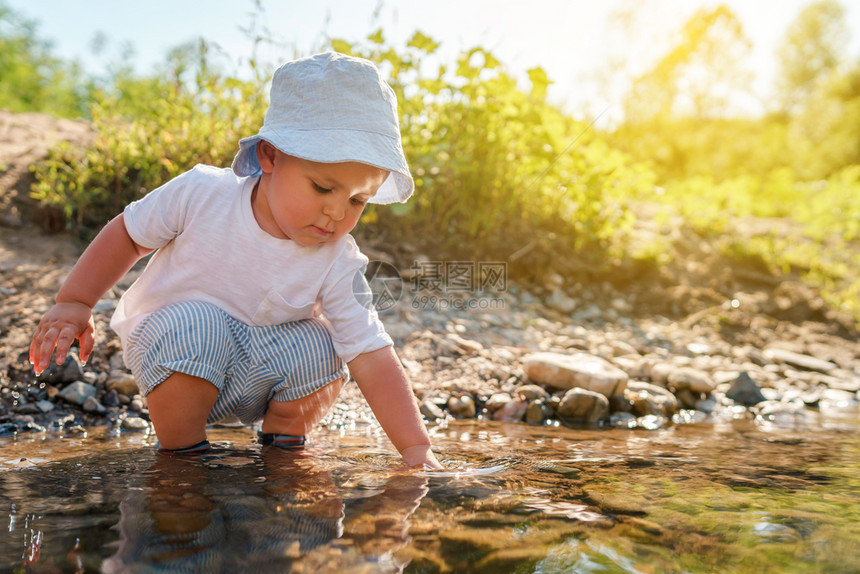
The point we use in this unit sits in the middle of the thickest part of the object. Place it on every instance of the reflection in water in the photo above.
(227, 513)
(734, 496)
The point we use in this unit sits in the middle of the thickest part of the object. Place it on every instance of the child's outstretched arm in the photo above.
(111, 254)
(385, 386)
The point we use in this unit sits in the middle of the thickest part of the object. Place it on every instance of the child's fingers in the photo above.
(87, 340)
(64, 342)
(43, 344)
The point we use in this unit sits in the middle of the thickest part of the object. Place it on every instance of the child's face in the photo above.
(308, 202)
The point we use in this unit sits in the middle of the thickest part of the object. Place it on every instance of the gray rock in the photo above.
(111, 399)
(781, 414)
(27, 409)
(688, 378)
(77, 393)
(800, 361)
(580, 370)
(121, 382)
(92, 405)
(707, 405)
(70, 371)
(136, 405)
(45, 406)
(745, 390)
(582, 406)
(117, 361)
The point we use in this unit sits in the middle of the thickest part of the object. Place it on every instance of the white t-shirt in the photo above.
(210, 248)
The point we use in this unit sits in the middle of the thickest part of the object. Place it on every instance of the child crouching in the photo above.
(248, 308)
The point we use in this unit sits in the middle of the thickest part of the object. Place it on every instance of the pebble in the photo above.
(582, 406)
(744, 390)
(799, 360)
(92, 405)
(462, 406)
(567, 363)
(532, 392)
(430, 410)
(648, 399)
(134, 424)
(688, 378)
(71, 370)
(45, 406)
(78, 392)
(121, 382)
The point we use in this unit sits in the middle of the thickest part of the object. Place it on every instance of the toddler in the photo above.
(255, 299)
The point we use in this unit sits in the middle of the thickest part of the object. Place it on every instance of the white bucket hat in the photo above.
(331, 108)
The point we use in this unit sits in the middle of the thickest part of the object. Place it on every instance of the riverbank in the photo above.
(638, 348)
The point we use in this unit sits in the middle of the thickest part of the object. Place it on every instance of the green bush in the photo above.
(499, 171)
(148, 131)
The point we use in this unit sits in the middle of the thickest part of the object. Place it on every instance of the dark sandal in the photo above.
(281, 440)
(198, 448)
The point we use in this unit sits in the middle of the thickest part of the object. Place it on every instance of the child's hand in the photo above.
(59, 328)
(420, 455)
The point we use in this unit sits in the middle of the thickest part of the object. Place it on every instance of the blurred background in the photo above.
(576, 141)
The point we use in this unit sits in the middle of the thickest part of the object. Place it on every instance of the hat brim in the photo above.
(334, 146)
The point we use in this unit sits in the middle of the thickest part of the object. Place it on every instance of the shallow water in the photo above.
(724, 496)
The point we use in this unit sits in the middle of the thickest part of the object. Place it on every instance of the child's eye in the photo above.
(357, 201)
(320, 188)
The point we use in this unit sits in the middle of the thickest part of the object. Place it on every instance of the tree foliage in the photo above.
(31, 78)
(811, 49)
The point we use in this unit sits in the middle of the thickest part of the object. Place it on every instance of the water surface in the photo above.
(730, 495)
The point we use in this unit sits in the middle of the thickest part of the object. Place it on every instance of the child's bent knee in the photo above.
(179, 407)
(300, 415)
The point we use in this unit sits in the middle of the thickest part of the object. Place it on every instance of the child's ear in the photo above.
(266, 155)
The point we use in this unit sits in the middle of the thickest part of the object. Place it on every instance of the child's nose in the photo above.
(335, 209)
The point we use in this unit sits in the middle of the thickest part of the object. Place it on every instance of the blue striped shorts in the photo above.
(250, 365)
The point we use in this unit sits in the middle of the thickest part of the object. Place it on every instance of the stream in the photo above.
(727, 495)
